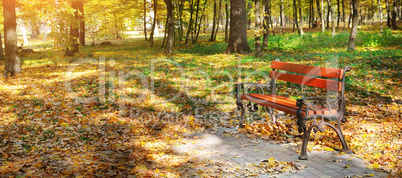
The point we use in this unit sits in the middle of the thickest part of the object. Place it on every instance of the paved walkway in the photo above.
(232, 155)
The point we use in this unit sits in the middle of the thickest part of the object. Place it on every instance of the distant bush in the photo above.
(324, 41)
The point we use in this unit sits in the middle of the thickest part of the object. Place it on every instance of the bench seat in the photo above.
(284, 104)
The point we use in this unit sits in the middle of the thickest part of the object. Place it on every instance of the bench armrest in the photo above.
(244, 87)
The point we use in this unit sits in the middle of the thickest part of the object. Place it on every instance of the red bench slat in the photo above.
(311, 70)
(306, 80)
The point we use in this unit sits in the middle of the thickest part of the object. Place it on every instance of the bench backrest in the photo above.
(330, 78)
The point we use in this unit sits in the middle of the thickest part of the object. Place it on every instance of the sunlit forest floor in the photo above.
(117, 110)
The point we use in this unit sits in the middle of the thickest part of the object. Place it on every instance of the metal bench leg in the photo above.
(338, 131)
(243, 112)
(306, 136)
(271, 113)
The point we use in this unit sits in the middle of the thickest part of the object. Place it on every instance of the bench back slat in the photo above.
(306, 80)
(311, 70)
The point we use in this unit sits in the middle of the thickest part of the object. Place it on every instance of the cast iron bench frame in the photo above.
(304, 108)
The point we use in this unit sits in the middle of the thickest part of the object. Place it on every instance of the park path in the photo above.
(226, 153)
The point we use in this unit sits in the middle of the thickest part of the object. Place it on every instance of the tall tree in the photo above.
(238, 28)
(388, 14)
(353, 32)
(331, 9)
(199, 24)
(319, 9)
(339, 13)
(281, 16)
(394, 16)
(1, 48)
(311, 13)
(295, 17)
(380, 13)
(151, 37)
(72, 46)
(227, 20)
(196, 22)
(145, 20)
(82, 23)
(350, 13)
(190, 24)
(257, 29)
(218, 18)
(170, 25)
(301, 17)
(343, 14)
(12, 64)
(322, 16)
(214, 20)
(265, 23)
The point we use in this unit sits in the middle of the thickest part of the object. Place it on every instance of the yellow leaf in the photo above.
(369, 175)
(373, 166)
(328, 149)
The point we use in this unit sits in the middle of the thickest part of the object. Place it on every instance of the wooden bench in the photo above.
(321, 109)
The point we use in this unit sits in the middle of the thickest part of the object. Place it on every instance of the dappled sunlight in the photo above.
(123, 118)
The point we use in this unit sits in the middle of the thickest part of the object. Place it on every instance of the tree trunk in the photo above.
(322, 16)
(265, 23)
(351, 13)
(181, 7)
(257, 29)
(227, 21)
(82, 23)
(295, 16)
(343, 14)
(331, 9)
(311, 13)
(319, 10)
(238, 28)
(281, 14)
(202, 17)
(24, 35)
(372, 11)
(353, 33)
(301, 17)
(328, 14)
(380, 13)
(218, 17)
(339, 13)
(190, 24)
(249, 11)
(151, 38)
(388, 14)
(164, 35)
(170, 22)
(394, 16)
(193, 40)
(270, 17)
(73, 45)
(145, 20)
(12, 63)
(213, 23)
(1, 49)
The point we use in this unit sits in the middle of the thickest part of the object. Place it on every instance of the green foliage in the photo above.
(325, 42)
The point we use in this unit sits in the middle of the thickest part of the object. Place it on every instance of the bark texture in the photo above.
(73, 45)
(355, 20)
(12, 63)
(82, 23)
(170, 24)
(238, 28)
